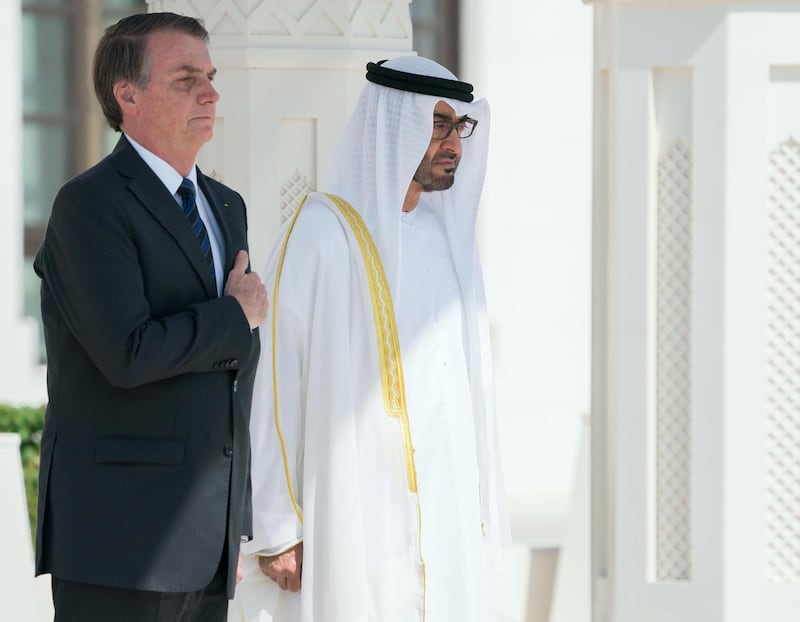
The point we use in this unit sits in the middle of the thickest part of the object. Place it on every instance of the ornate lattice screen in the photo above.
(783, 366)
(292, 191)
(673, 365)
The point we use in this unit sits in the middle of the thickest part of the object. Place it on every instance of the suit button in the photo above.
(227, 450)
(235, 385)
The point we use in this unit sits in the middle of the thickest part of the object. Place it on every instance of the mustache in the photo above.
(443, 156)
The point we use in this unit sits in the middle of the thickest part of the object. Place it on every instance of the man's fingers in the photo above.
(293, 582)
(240, 263)
(239, 570)
(285, 569)
(289, 581)
(268, 570)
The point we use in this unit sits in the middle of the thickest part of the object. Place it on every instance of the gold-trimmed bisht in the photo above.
(388, 342)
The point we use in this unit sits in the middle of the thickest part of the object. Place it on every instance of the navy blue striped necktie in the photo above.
(189, 205)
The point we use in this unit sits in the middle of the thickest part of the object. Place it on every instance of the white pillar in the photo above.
(21, 376)
(21, 598)
(532, 60)
(534, 233)
(288, 78)
(696, 356)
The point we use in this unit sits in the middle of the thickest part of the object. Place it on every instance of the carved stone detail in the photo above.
(320, 24)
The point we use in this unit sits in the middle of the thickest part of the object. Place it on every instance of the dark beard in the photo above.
(430, 182)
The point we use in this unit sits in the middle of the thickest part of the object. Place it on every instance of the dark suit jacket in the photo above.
(145, 453)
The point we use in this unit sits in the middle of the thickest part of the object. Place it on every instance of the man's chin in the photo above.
(203, 133)
(201, 125)
(448, 179)
(444, 182)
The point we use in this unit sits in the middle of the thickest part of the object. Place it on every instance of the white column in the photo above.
(22, 598)
(534, 234)
(21, 377)
(532, 60)
(696, 358)
(289, 75)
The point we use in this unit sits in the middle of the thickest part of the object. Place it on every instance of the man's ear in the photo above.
(126, 95)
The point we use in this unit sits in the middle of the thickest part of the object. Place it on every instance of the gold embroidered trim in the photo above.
(278, 270)
(393, 384)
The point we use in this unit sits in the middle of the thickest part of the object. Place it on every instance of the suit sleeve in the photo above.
(90, 263)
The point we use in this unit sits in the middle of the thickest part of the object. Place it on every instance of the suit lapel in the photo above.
(156, 199)
(220, 210)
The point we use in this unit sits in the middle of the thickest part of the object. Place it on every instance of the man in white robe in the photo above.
(377, 492)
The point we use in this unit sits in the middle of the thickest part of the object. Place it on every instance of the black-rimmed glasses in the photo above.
(464, 128)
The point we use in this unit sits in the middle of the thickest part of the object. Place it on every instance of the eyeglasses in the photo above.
(464, 128)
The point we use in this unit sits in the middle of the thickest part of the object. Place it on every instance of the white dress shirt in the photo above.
(172, 180)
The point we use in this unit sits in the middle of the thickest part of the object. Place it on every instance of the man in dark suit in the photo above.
(150, 317)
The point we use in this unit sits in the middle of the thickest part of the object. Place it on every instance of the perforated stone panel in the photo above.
(292, 191)
(673, 365)
(783, 367)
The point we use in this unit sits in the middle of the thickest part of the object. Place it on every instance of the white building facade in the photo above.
(696, 309)
(694, 271)
(690, 298)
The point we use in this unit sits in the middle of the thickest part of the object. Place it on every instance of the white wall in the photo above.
(533, 62)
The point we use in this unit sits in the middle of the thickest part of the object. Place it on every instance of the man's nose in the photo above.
(209, 94)
(452, 143)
